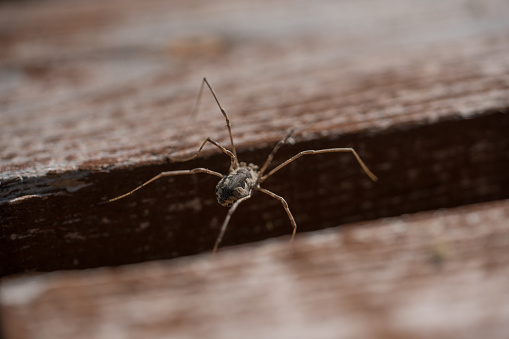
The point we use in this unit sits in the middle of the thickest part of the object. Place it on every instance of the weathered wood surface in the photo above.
(441, 274)
(96, 95)
(422, 168)
(103, 84)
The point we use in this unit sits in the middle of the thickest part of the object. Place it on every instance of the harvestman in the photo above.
(238, 185)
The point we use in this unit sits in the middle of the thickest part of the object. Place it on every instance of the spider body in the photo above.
(242, 179)
(238, 184)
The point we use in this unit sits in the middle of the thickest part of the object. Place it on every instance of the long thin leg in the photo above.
(228, 125)
(276, 148)
(227, 220)
(227, 152)
(193, 113)
(285, 205)
(165, 174)
(329, 150)
(197, 103)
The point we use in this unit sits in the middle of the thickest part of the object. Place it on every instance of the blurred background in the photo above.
(110, 75)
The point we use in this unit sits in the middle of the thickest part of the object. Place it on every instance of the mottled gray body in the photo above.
(237, 184)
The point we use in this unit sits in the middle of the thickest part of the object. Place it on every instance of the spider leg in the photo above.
(197, 103)
(285, 205)
(225, 151)
(165, 174)
(276, 148)
(228, 125)
(329, 150)
(227, 220)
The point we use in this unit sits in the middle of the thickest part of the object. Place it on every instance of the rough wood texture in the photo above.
(96, 95)
(441, 274)
(102, 83)
(463, 162)
(95, 98)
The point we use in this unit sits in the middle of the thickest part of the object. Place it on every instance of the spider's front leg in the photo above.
(162, 175)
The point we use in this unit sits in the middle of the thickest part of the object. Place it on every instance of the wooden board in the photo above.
(96, 98)
(107, 84)
(442, 274)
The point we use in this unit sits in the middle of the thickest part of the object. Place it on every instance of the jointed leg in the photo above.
(227, 220)
(197, 103)
(166, 174)
(228, 125)
(276, 148)
(285, 205)
(329, 150)
(227, 152)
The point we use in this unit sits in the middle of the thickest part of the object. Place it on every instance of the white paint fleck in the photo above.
(24, 197)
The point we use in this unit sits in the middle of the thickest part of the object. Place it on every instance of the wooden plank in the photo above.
(96, 97)
(440, 274)
(124, 99)
(463, 162)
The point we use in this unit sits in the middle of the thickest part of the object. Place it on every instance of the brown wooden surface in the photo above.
(440, 274)
(103, 84)
(95, 98)
(96, 95)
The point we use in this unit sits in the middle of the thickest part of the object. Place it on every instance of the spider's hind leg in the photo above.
(285, 206)
(321, 151)
(227, 220)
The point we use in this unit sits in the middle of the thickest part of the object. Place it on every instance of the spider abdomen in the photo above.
(236, 185)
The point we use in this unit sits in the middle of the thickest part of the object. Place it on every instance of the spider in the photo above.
(242, 179)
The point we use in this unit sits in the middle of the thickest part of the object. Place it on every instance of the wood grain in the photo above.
(96, 86)
(96, 97)
(436, 274)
